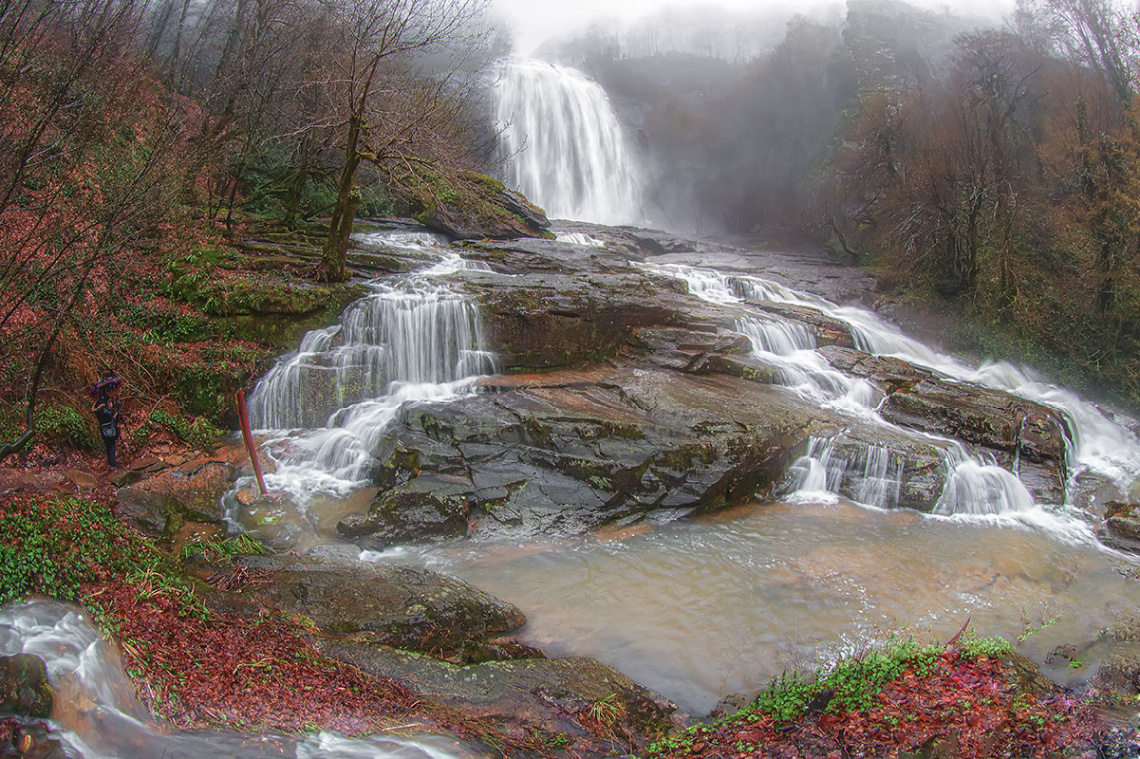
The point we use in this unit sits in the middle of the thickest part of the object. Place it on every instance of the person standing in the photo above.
(106, 410)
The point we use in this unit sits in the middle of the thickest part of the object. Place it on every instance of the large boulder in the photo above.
(404, 607)
(159, 504)
(974, 414)
(1121, 528)
(566, 452)
(467, 205)
(24, 687)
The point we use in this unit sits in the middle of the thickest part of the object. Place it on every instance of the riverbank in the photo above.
(197, 667)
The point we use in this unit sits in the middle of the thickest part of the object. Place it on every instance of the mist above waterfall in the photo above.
(743, 24)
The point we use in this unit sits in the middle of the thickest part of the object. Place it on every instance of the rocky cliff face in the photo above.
(628, 398)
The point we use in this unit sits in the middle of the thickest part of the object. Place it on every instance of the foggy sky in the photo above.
(535, 21)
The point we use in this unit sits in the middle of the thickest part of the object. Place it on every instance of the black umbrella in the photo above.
(109, 382)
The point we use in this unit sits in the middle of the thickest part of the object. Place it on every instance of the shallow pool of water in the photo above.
(697, 610)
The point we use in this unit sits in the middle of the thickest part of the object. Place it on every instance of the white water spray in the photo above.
(564, 147)
(873, 478)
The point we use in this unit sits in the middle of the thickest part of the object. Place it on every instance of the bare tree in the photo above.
(1090, 31)
(376, 33)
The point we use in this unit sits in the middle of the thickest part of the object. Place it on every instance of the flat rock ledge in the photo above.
(404, 607)
(579, 697)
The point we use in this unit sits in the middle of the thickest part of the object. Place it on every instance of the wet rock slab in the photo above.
(971, 413)
(559, 695)
(404, 607)
(563, 453)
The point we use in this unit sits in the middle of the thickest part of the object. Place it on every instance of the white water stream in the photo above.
(563, 145)
(975, 488)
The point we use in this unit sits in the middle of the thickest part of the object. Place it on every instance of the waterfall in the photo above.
(977, 489)
(564, 147)
(790, 346)
(882, 478)
(787, 345)
(873, 477)
(973, 488)
(581, 238)
(416, 340)
(819, 473)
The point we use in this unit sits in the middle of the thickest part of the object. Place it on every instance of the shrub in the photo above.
(65, 424)
(199, 432)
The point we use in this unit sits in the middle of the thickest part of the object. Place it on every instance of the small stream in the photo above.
(96, 715)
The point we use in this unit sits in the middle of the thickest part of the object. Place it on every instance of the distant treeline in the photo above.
(996, 168)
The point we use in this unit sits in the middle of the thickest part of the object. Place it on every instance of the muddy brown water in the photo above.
(701, 609)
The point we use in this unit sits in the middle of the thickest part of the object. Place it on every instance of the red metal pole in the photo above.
(247, 435)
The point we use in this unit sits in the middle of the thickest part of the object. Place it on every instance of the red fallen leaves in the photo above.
(968, 704)
(250, 674)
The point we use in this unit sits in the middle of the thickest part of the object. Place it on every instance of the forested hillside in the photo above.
(138, 143)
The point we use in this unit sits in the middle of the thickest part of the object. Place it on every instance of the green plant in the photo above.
(857, 680)
(1028, 628)
(152, 580)
(786, 697)
(976, 648)
(66, 424)
(54, 545)
(607, 711)
(215, 550)
(199, 432)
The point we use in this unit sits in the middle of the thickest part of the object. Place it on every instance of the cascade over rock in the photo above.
(1017, 432)
(685, 418)
(667, 390)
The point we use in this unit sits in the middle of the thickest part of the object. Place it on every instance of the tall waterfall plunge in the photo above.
(564, 146)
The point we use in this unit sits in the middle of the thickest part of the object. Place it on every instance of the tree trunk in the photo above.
(333, 256)
(292, 199)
